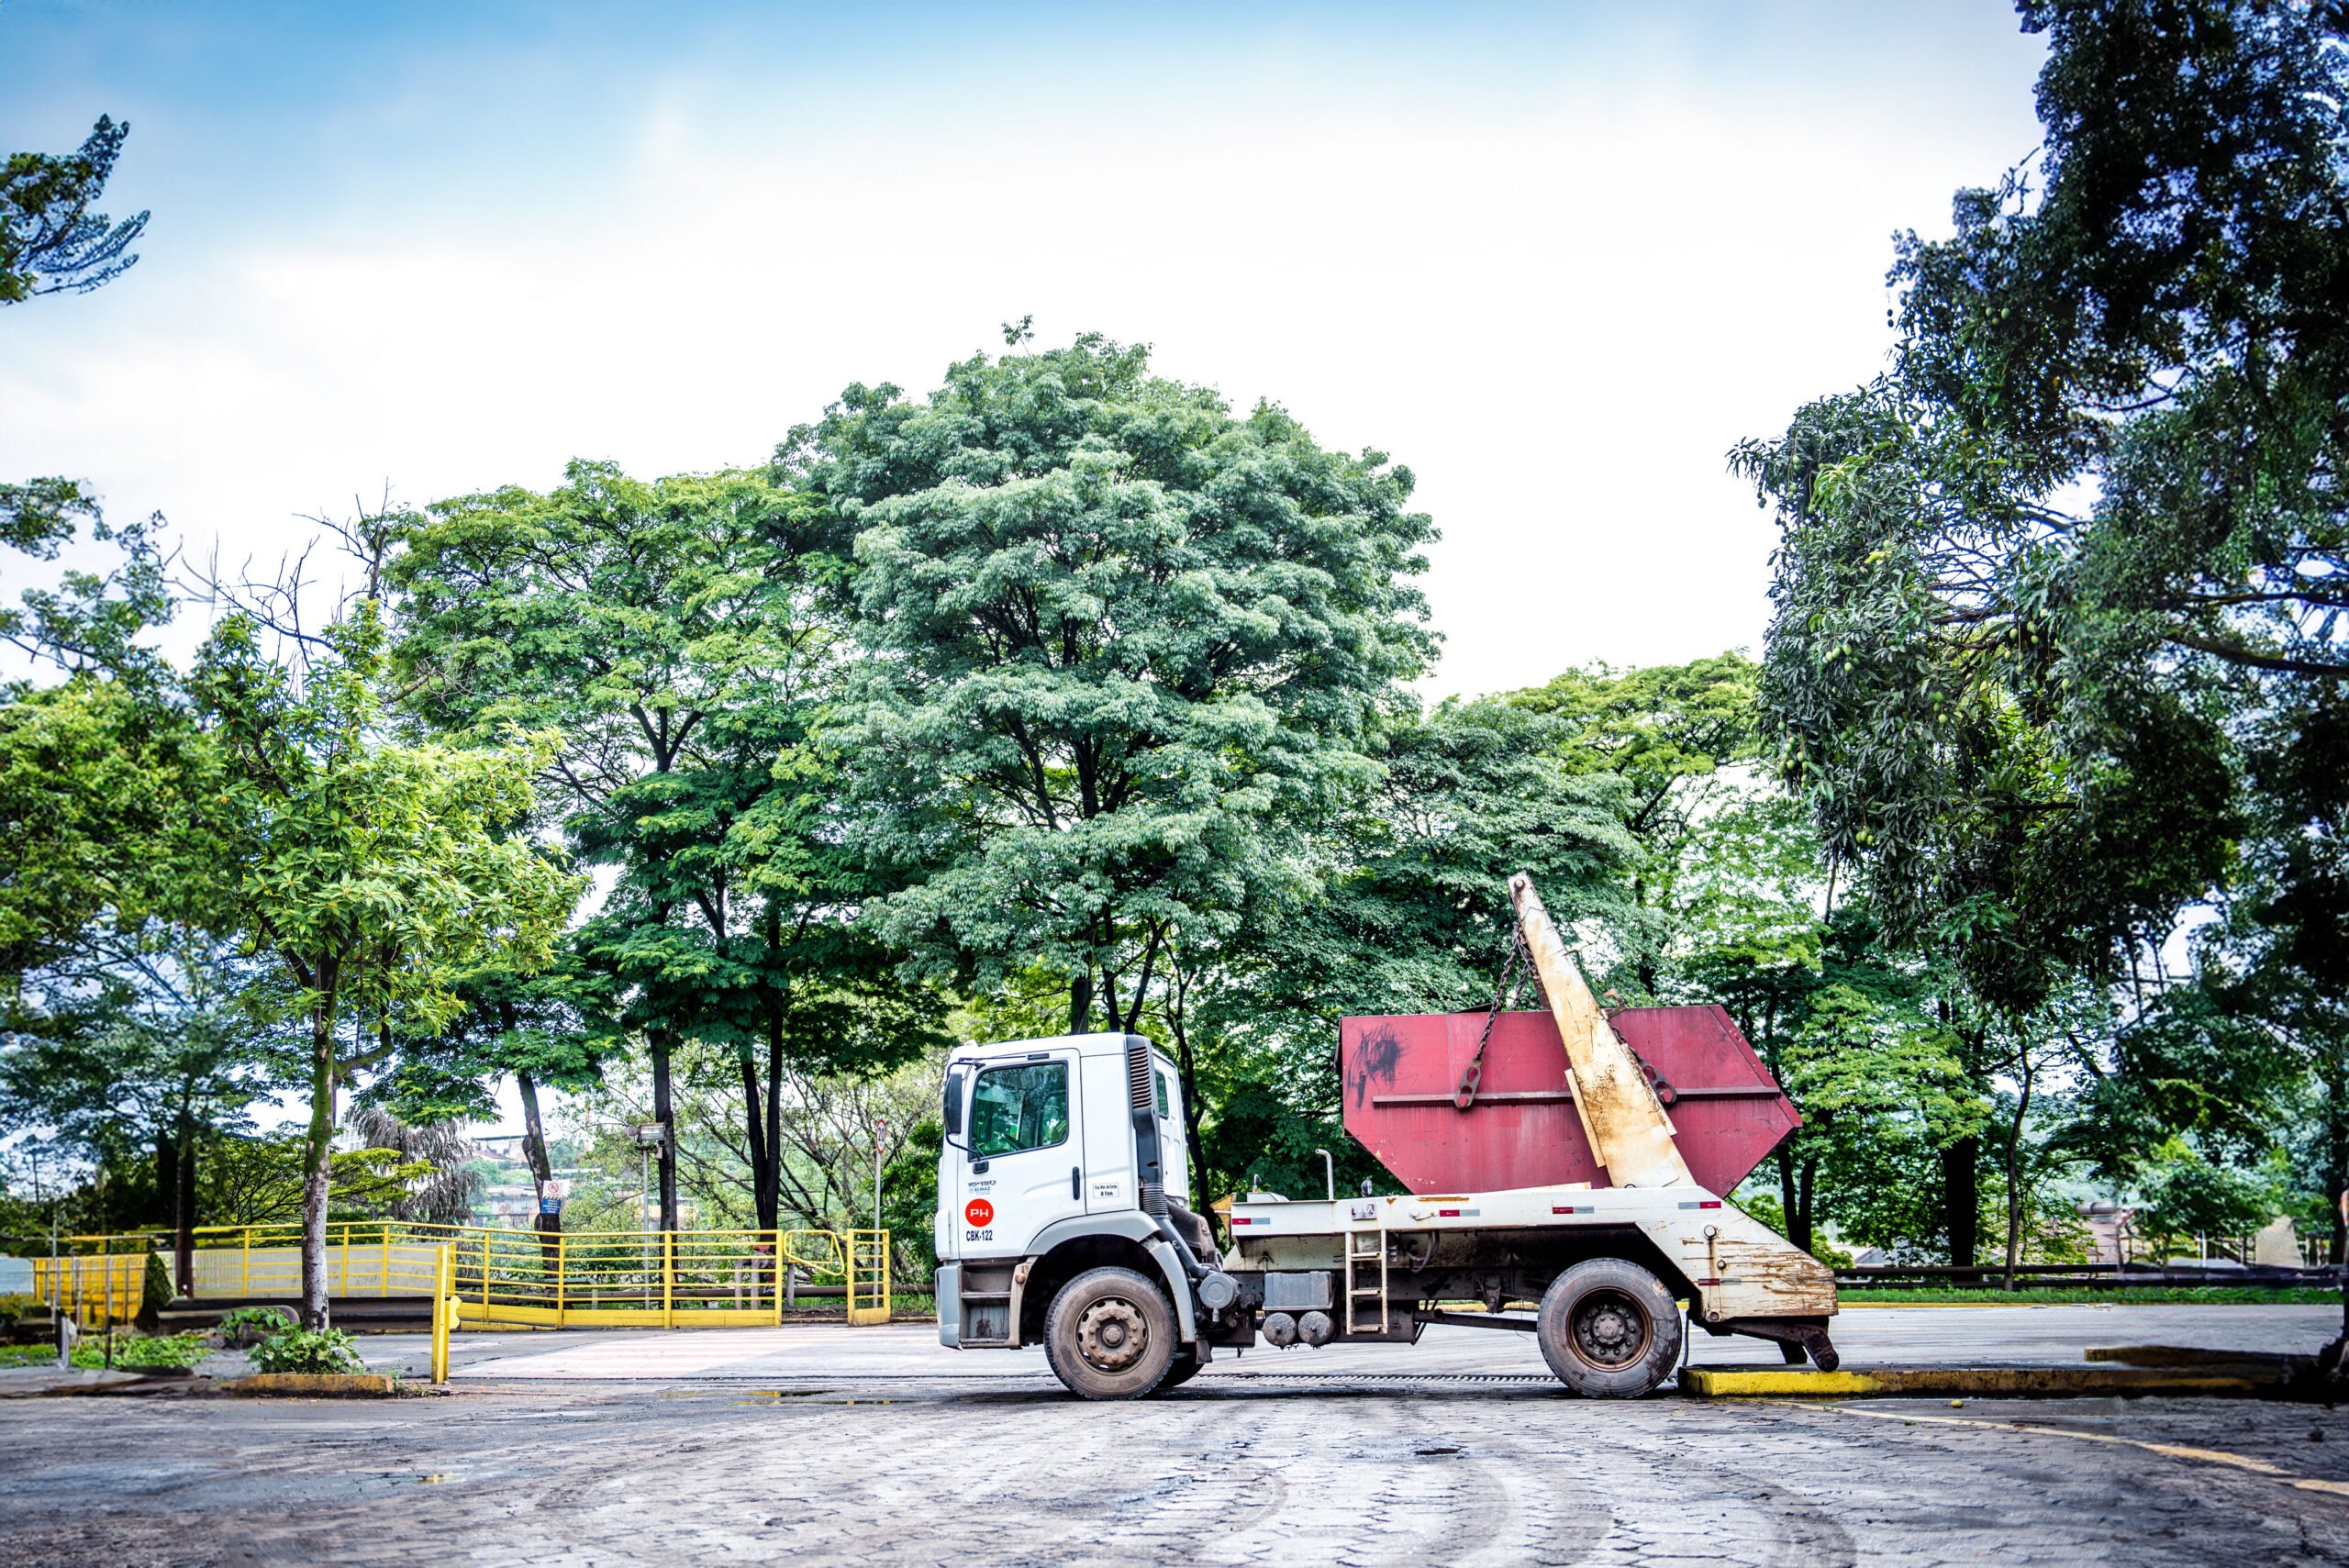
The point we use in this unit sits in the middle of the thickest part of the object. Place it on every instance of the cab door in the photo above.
(1025, 1164)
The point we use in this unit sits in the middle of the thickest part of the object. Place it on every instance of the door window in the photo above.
(1016, 1108)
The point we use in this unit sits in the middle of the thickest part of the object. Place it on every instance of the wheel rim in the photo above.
(1611, 1329)
(1111, 1334)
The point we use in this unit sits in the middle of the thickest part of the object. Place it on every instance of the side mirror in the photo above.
(951, 1111)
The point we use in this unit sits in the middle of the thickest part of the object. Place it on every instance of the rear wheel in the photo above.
(1610, 1330)
(1110, 1335)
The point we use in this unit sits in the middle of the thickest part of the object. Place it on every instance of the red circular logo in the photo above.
(979, 1211)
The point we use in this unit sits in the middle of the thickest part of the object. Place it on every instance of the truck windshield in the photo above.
(1016, 1108)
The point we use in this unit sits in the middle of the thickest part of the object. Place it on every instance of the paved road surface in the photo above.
(898, 1454)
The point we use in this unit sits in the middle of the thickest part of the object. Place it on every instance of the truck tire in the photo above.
(1110, 1335)
(1610, 1330)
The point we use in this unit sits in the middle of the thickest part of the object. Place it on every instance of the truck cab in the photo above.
(1064, 1158)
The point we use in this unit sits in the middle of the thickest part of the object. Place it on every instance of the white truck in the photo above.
(1066, 1217)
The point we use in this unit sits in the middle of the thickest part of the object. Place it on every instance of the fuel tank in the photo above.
(1401, 1073)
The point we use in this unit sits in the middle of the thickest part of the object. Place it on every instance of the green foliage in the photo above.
(134, 1351)
(909, 1198)
(687, 635)
(2056, 651)
(155, 1284)
(1767, 1208)
(259, 1181)
(242, 1328)
(1404, 907)
(371, 870)
(308, 1351)
(102, 814)
(1125, 642)
(2186, 1196)
(50, 242)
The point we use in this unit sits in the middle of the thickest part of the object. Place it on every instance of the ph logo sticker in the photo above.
(979, 1211)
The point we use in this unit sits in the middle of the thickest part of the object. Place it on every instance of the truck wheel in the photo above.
(1610, 1330)
(1109, 1335)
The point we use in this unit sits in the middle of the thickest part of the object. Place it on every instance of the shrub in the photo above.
(135, 1350)
(304, 1350)
(249, 1325)
(155, 1290)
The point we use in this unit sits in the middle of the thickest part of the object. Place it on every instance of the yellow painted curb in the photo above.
(1723, 1383)
(318, 1384)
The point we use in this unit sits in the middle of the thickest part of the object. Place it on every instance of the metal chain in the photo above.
(1504, 995)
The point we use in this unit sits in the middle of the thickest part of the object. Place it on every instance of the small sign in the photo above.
(979, 1211)
(553, 1205)
(648, 1134)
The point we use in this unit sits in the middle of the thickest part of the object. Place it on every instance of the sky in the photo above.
(1557, 260)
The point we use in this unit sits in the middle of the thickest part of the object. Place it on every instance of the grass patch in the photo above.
(131, 1352)
(2156, 1295)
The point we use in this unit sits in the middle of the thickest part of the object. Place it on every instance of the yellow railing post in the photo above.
(668, 1279)
(485, 1273)
(561, 1274)
(245, 1265)
(868, 1249)
(444, 1303)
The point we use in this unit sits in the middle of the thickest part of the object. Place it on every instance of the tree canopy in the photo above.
(1122, 639)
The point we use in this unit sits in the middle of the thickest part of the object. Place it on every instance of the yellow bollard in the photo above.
(444, 1301)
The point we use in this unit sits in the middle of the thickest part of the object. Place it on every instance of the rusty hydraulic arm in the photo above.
(1631, 1134)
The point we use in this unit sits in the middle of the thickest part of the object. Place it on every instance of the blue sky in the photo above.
(1557, 259)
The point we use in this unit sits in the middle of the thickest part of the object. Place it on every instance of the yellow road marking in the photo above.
(2168, 1451)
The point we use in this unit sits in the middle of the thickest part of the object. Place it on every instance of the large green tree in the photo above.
(1121, 640)
(2059, 598)
(368, 869)
(685, 635)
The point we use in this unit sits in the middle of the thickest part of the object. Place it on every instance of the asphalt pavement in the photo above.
(830, 1445)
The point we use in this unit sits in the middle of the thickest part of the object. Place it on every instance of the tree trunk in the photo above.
(534, 1151)
(184, 1214)
(2336, 1113)
(771, 1190)
(1961, 1198)
(1080, 1004)
(2014, 1171)
(1188, 1072)
(1809, 1186)
(664, 1112)
(167, 1175)
(317, 1172)
(1789, 1190)
(754, 1134)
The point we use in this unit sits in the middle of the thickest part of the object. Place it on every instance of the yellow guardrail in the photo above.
(559, 1280)
(94, 1289)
